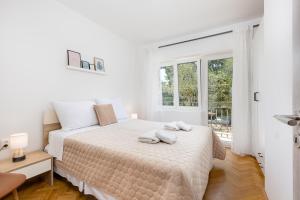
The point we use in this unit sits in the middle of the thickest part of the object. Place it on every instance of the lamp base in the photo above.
(18, 159)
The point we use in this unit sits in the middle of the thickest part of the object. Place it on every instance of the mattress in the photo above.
(112, 160)
(56, 140)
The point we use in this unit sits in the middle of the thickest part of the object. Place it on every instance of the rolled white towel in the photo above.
(172, 126)
(184, 126)
(166, 136)
(149, 137)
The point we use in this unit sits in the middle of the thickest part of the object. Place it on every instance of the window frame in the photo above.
(160, 85)
(216, 56)
(174, 64)
(204, 72)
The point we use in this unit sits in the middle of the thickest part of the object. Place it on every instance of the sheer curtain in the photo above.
(241, 97)
(151, 91)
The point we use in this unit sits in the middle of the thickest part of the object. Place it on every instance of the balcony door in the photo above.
(219, 84)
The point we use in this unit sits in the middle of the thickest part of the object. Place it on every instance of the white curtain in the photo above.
(204, 92)
(150, 85)
(241, 96)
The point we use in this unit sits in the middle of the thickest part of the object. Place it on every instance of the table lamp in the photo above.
(134, 116)
(17, 142)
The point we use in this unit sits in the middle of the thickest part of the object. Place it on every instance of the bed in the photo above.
(109, 162)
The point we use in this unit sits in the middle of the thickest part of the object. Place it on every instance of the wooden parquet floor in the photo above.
(236, 178)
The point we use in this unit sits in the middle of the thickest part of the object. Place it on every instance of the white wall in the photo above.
(34, 37)
(257, 65)
(277, 98)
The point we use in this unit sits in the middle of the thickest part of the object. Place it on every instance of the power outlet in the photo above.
(4, 143)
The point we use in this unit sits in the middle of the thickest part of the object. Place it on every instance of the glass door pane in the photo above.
(167, 85)
(219, 96)
(187, 84)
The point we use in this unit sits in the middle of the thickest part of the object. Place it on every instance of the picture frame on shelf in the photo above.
(85, 65)
(74, 58)
(92, 67)
(99, 64)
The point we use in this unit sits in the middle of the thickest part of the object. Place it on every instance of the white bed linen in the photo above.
(56, 140)
(97, 193)
(70, 178)
(82, 186)
(74, 115)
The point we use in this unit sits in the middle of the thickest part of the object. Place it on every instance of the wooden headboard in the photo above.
(50, 123)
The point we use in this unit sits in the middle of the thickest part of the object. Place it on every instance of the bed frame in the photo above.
(50, 123)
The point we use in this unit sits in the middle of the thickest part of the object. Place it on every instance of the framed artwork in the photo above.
(85, 64)
(92, 67)
(99, 64)
(74, 58)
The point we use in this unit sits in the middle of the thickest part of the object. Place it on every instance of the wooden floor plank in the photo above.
(236, 178)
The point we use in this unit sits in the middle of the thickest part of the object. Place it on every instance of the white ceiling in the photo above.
(147, 21)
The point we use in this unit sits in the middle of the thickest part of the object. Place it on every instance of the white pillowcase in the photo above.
(73, 115)
(118, 107)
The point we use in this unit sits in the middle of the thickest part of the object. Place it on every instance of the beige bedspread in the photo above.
(111, 158)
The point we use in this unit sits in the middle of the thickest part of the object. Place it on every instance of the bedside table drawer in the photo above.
(35, 169)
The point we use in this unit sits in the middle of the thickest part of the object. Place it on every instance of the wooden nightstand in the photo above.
(36, 163)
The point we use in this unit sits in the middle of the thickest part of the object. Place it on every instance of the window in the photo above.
(166, 79)
(187, 84)
(180, 83)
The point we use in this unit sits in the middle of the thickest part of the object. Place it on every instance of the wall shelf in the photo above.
(85, 70)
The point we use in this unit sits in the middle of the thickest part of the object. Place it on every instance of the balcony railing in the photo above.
(219, 118)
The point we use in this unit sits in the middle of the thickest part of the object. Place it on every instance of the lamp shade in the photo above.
(134, 116)
(18, 140)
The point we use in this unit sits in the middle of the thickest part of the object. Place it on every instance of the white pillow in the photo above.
(73, 115)
(117, 106)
